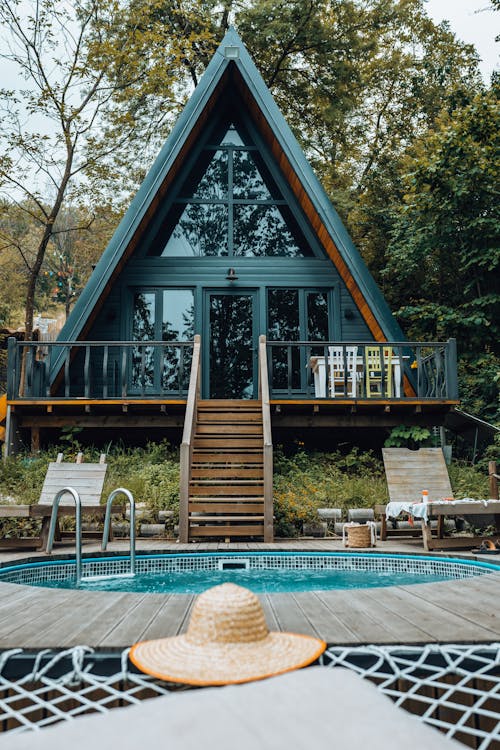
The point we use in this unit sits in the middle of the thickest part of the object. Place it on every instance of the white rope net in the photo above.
(455, 688)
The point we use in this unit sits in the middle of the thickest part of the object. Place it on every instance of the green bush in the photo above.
(304, 482)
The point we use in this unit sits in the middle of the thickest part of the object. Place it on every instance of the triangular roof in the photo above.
(232, 56)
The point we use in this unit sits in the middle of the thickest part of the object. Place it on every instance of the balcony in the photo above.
(363, 371)
(102, 371)
(151, 371)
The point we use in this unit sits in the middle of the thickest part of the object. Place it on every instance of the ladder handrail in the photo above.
(78, 538)
(107, 523)
(268, 440)
(186, 451)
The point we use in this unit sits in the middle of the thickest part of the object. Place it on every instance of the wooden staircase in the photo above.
(226, 489)
(226, 462)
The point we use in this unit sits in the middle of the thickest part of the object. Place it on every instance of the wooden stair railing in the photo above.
(268, 441)
(186, 452)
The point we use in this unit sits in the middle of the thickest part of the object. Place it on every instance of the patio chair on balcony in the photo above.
(342, 375)
(378, 371)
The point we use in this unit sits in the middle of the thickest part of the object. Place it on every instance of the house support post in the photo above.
(12, 439)
(451, 369)
(493, 480)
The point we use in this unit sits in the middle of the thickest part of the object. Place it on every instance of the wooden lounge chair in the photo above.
(86, 478)
(408, 474)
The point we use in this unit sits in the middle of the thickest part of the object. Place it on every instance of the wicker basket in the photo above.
(359, 535)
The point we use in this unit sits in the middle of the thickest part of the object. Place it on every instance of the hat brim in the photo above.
(177, 659)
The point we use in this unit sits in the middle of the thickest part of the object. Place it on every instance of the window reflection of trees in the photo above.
(283, 322)
(214, 182)
(229, 204)
(173, 364)
(202, 230)
(176, 363)
(247, 180)
(261, 230)
(231, 346)
(143, 329)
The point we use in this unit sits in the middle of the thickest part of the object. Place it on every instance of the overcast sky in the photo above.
(473, 22)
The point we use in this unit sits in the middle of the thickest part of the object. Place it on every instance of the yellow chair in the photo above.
(378, 371)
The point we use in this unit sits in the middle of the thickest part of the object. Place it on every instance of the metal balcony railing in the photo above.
(100, 370)
(393, 370)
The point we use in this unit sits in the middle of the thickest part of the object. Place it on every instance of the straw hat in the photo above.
(227, 641)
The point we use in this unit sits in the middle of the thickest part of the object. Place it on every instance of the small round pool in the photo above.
(263, 572)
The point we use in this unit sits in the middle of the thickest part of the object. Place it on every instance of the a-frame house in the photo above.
(231, 271)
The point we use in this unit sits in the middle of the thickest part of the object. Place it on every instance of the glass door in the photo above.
(231, 356)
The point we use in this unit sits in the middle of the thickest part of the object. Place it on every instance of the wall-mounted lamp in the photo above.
(349, 314)
(231, 275)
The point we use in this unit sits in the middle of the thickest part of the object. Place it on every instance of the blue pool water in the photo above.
(261, 572)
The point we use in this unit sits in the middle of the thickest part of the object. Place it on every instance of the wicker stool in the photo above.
(359, 535)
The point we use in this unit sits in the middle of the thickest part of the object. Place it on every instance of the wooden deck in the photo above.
(454, 611)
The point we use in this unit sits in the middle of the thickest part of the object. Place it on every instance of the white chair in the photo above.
(342, 375)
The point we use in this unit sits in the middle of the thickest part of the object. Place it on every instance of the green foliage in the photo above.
(468, 481)
(22, 478)
(304, 482)
(408, 437)
(444, 256)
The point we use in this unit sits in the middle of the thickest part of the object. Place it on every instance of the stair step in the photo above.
(221, 457)
(218, 417)
(225, 489)
(228, 443)
(225, 507)
(227, 531)
(223, 499)
(224, 519)
(233, 430)
(237, 472)
(224, 481)
(229, 405)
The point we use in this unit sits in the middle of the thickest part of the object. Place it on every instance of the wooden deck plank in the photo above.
(475, 605)
(399, 610)
(101, 621)
(326, 623)
(46, 621)
(359, 616)
(289, 615)
(172, 619)
(134, 620)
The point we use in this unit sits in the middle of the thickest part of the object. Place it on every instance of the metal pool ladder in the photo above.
(78, 536)
(107, 522)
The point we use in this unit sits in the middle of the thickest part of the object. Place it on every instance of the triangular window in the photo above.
(230, 204)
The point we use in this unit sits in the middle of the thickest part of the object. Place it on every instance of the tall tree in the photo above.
(444, 258)
(59, 133)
